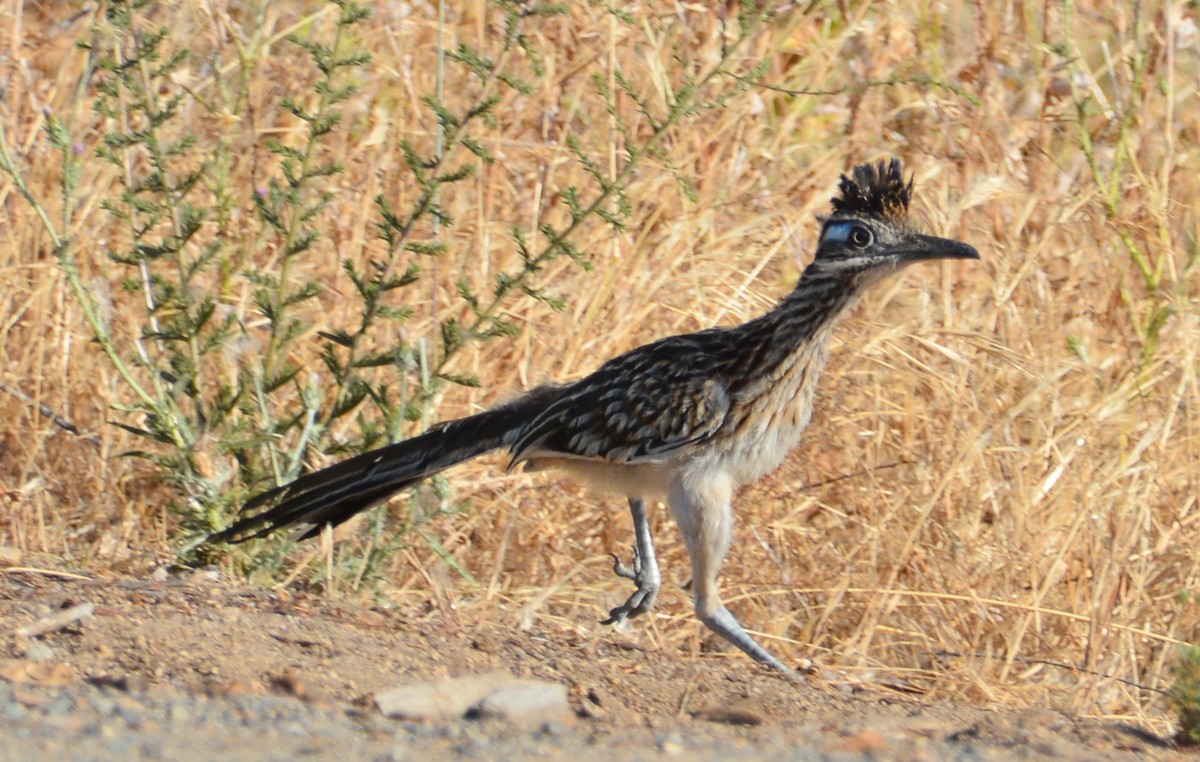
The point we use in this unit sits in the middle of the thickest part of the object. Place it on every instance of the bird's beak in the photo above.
(922, 247)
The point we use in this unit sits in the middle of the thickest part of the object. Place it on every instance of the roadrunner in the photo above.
(689, 417)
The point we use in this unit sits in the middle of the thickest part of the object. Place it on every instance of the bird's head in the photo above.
(868, 234)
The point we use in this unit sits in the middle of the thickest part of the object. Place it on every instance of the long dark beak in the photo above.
(922, 247)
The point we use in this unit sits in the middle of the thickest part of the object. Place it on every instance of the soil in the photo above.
(191, 667)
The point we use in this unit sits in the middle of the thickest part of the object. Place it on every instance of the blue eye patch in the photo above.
(837, 232)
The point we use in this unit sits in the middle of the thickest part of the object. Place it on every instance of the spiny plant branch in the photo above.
(64, 253)
(685, 102)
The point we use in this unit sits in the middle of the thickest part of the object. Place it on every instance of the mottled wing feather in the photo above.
(637, 407)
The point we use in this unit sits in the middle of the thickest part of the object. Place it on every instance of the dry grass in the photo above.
(998, 498)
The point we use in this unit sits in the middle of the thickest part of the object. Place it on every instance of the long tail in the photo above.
(334, 494)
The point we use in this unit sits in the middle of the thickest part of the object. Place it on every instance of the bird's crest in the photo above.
(876, 190)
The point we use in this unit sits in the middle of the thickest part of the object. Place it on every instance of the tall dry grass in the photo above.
(998, 496)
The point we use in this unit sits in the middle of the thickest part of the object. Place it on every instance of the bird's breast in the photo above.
(768, 423)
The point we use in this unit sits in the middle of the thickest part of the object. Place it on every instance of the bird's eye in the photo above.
(861, 237)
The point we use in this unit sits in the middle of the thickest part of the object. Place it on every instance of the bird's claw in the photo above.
(642, 600)
(621, 570)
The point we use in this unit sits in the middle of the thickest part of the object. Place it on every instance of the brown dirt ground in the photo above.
(196, 635)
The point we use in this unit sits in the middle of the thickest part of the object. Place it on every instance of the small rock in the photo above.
(103, 704)
(230, 689)
(12, 710)
(178, 714)
(866, 742)
(132, 717)
(671, 743)
(37, 672)
(30, 698)
(439, 700)
(62, 705)
(295, 728)
(743, 713)
(36, 650)
(291, 684)
(527, 703)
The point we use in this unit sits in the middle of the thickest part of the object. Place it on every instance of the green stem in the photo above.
(66, 260)
(1111, 186)
(159, 161)
(296, 223)
(682, 105)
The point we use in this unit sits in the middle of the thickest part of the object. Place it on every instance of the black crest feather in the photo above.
(876, 190)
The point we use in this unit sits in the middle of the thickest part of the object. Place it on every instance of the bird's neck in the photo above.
(809, 311)
(819, 299)
(790, 341)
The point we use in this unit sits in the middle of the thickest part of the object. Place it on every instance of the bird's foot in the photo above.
(646, 576)
(722, 622)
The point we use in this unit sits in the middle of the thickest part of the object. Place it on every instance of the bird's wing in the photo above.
(637, 407)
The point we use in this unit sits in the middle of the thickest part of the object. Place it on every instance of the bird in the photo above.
(689, 418)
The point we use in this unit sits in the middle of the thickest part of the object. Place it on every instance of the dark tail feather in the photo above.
(334, 494)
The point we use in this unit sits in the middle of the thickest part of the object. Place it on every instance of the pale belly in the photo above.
(650, 480)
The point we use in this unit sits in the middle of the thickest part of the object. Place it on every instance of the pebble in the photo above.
(670, 743)
(61, 706)
(495, 695)
(527, 703)
(36, 650)
(439, 700)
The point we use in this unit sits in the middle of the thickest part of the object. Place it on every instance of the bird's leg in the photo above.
(721, 621)
(644, 572)
(705, 519)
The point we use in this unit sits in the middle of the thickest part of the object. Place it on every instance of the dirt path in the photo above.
(197, 669)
